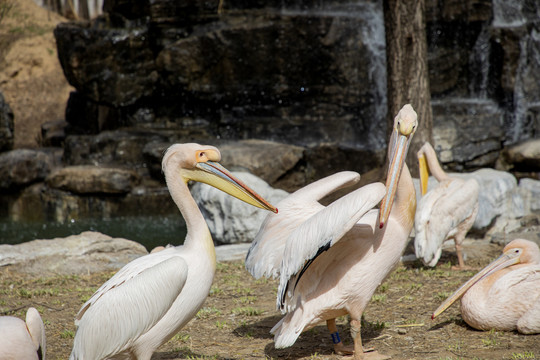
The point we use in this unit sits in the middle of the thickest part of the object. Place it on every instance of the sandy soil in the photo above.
(31, 77)
(237, 316)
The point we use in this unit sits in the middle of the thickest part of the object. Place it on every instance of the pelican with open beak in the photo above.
(505, 295)
(331, 259)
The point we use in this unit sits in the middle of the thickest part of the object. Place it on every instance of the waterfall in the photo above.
(374, 37)
(508, 13)
(371, 27)
(480, 65)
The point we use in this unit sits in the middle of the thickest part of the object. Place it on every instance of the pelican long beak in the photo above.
(214, 174)
(400, 146)
(424, 173)
(507, 259)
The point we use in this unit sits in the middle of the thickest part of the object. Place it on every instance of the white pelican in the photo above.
(331, 259)
(505, 295)
(444, 213)
(150, 299)
(22, 340)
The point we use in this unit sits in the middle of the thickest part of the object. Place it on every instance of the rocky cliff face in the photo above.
(301, 72)
(305, 77)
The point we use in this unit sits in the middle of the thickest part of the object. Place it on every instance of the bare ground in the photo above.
(237, 316)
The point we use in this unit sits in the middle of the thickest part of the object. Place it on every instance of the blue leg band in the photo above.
(335, 338)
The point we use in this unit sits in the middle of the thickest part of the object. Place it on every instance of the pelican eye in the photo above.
(201, 156)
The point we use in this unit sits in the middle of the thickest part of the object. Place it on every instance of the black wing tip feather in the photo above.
(283, 294)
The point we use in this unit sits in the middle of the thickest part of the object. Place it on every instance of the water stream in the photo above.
(150, 231)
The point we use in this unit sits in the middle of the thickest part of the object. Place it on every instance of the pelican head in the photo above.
(405, 124)
(517, 251)
(201, 163)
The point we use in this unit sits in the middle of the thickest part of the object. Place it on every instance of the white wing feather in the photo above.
(266, 252)
(126, 306)
(324, 229)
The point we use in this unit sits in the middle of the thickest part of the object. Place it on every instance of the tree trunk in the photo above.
(407, 72)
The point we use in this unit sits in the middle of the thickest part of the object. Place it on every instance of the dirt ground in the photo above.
(31, 77)
(234, 322)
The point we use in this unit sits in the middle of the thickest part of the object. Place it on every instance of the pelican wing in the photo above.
(126, 306)
(266, 251)
(322, 230)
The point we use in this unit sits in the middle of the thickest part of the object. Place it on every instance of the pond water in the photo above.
(150, 231)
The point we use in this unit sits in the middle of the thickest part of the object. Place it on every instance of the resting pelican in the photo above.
(150, 299)
(331, 259)
(22, 340)
(446, 212)
(505, 295)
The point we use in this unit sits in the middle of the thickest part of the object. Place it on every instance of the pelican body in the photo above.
(330, 260)
(444, 213)
(505, 295)
(151, 298)
(22, 340)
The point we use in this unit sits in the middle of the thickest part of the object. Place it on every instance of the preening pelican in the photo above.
(22, 340)
(445, 213)
(150, 299)
(505, 295)
(331, 259)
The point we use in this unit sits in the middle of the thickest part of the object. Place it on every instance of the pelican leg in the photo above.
(361, 353)
(459, 252)
(339, 347)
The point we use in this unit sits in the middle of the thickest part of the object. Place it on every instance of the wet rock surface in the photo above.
(22, 167)
(92, 180)
(6, 125)
(86, 253)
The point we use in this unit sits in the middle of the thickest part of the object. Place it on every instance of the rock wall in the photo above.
(306, 79)
(306, 73)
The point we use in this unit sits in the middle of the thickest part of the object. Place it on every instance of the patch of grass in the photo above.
(67, 334)
(247, 311)
(380, 298)
(442, 295)
(221, 324)
(181, 337)
(27, 294)
(413, 287)
(408, 298)
(245, 291)
(214, 290)
(206, 312)
(492, 339)
(523, 355)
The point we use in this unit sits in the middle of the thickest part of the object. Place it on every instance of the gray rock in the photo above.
(229, 219)
(93, 180)
(6, 125)
(86, 253)
(232, 252)
(53, 133)
(530, 191)
(121, 148)
(253, 155)
(467, 133)
(110, 62)
(42, 203)
(524, 156)
(22, 167)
